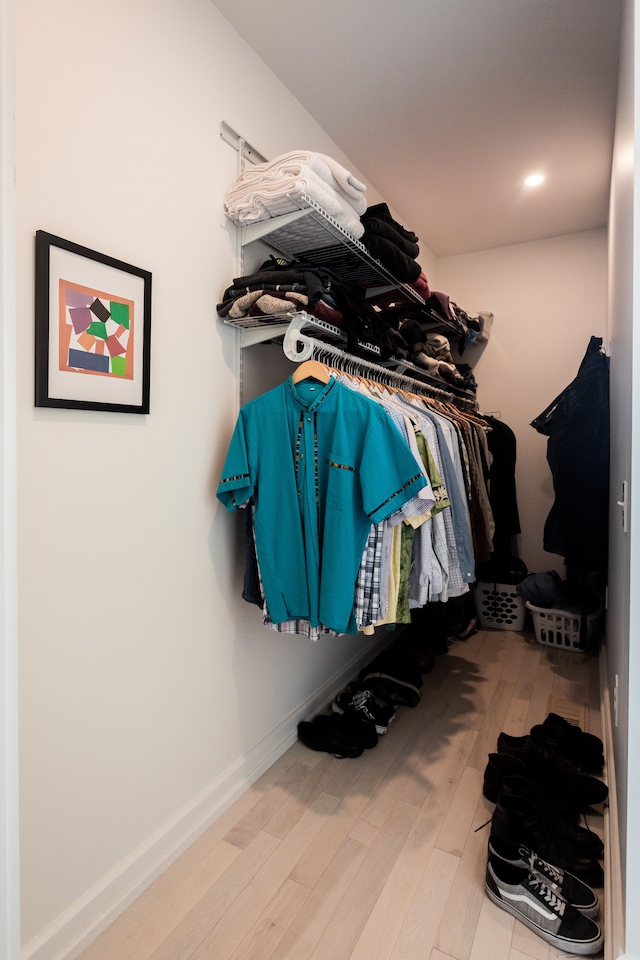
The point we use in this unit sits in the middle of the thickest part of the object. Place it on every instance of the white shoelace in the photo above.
(556, 902)
(538, 865)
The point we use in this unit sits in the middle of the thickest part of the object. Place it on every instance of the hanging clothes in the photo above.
(502, 490)
(504, 566)
(577, 425)
(365, 501)
(321, 464)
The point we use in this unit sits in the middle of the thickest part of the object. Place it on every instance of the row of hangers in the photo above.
(329, 359)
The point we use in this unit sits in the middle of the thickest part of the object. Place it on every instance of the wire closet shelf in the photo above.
(298, 347)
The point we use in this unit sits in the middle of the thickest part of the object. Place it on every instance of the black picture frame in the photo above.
(92, 329)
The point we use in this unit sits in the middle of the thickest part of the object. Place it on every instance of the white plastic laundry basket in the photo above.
(499, 607)
(561, 628)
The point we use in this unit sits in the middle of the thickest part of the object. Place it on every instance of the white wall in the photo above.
(623, 624)
(9, 854)
(548, 298)
(150, 692)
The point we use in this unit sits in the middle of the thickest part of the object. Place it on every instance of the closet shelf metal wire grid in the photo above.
(287, 328)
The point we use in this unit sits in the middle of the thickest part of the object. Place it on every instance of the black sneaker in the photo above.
(394, 676)
(518, 820)
(333, 734)
(528, 898)
(574, 891)
(358, 701)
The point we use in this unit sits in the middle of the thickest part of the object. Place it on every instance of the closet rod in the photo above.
(350, 363)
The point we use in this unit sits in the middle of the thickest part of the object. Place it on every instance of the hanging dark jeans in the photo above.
(577, 425)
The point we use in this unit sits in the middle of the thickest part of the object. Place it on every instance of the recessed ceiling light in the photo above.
(534, 180)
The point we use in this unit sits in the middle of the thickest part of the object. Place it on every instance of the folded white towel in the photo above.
(298, 163)
(250, 202)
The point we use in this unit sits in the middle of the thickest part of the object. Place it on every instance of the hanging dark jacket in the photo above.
(502, 490)
(577, 425)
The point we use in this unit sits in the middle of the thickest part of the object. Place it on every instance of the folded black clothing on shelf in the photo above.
(469, 382)
(404, 268)
(315, 283)
(360, 322)
(383, 228)
(266, 302)
(380, 211)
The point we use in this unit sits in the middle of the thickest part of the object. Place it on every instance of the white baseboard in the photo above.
(85, 919)
(613, 887)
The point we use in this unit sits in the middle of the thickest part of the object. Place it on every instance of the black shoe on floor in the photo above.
(578, 894)
(529, 899)
(501, 765)
(394, 676)
(559, 736)
(358, 701)
(580, 837)
(337, 735)
(520, 821)
(552, 773)
(557, 743)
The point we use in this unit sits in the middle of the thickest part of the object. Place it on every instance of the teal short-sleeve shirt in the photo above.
(322, 464)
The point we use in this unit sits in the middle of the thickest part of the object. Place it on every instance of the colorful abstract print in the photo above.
(96, 332)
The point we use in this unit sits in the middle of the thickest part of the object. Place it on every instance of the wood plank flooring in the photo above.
(375, 858)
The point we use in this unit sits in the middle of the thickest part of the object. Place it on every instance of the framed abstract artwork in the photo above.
(93, 329)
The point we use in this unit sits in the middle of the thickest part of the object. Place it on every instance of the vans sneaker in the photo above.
(359, 701)
(528, 898)
(574, 891)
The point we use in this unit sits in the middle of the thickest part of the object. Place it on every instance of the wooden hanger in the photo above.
(311, 368)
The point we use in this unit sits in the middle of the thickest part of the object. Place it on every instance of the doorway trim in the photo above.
(9, 855)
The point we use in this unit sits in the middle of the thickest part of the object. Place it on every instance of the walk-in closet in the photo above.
(163, 798)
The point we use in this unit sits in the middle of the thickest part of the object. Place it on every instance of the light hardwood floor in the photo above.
(375, 858)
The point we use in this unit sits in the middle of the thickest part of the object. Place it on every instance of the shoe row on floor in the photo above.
(365, 709)
(542, 862)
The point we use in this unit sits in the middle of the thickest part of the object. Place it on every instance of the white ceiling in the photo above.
(446, 105)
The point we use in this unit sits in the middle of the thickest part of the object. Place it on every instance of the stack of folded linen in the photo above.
(266, 190)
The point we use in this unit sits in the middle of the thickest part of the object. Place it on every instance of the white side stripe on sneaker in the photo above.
(548, 915)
